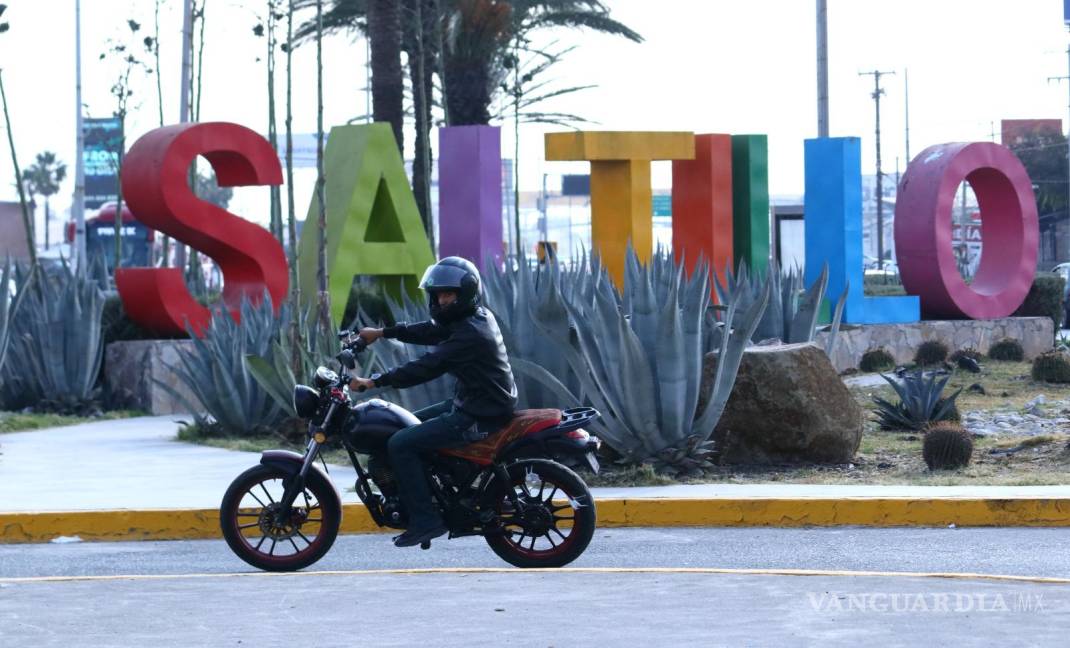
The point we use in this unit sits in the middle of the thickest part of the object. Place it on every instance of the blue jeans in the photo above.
(442, 426)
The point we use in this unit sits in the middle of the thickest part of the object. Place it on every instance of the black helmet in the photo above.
(455, 274)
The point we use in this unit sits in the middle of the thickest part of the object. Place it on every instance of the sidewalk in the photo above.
(97, 479)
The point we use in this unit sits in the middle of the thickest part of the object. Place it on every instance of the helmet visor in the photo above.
(441, 277)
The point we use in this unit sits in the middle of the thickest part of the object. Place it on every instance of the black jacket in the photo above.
(471, 350)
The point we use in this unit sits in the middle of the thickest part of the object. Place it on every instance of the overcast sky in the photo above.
(706, 65)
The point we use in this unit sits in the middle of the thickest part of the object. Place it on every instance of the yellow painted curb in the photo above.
(184, 524)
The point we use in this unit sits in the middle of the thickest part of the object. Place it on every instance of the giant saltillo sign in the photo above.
(720, 212)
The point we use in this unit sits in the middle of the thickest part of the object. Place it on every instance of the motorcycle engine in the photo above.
(383, 475)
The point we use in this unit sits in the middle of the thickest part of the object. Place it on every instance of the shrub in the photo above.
(877, 359)
(1008, 350)
(931, 352)
(1045, 298)
(1052, 367)
(946, 446)
(920, 402)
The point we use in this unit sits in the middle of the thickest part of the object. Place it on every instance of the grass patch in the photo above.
(642, 475)
(19, 422)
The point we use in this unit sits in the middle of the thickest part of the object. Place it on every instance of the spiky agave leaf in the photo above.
(56, 348)
(217, 374)
(920, 401)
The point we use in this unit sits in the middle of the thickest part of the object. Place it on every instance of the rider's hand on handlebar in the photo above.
(361, 384)
(370, 335)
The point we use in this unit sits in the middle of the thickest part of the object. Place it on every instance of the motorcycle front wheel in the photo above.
(555, 520)
(253, 530)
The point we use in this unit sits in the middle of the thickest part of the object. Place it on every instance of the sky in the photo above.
(708, 66)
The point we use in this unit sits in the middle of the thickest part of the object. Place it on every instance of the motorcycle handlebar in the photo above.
(352, 341)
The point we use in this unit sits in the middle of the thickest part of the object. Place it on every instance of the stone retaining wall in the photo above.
(1036, 334)
(130, 368)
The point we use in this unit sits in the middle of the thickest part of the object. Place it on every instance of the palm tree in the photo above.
(478, 44)
(388, 84)
(43, 178)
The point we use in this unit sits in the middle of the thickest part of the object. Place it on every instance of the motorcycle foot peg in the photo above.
(426, 544)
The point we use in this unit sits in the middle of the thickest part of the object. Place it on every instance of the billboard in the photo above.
(1013, 131)
(103, 138)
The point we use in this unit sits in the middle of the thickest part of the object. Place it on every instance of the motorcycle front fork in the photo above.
(295, 484)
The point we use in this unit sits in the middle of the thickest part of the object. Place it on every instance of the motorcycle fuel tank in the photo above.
(372, 423)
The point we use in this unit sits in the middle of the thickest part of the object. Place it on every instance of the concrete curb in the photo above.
(186, 524)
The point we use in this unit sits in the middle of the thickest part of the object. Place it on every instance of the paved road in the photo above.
(1013, 551)
(197, 594)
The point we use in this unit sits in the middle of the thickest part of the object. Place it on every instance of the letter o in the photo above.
(1009, 231)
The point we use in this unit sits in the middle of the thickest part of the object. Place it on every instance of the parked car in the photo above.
(1063, 269)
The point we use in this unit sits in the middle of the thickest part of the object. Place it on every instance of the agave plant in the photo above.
(217, 374)
(12, 291)
(56, 348)
(508, 292)
(275, 370)
(920, 401)
(638, 356)
(793, 310)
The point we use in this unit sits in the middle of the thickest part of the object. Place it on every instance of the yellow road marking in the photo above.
(563, 570)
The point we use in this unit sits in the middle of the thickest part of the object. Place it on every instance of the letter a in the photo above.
(373, 224)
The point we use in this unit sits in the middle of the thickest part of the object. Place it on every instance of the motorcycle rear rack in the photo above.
(575, 418)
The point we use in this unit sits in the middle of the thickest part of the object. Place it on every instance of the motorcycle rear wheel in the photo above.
(554, 500)
(249, 525)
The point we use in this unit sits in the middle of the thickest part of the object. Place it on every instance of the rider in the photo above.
(468, 346)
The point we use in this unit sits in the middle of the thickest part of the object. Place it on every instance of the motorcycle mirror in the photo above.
(348, 360)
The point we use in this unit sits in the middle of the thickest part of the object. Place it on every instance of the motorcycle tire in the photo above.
(562, 497)
(235, 517)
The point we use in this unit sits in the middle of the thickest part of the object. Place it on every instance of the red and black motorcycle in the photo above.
(513, 487)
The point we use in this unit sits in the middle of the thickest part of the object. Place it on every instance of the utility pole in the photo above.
(1066, 78)
(78, 204)
(877, 92)
(906, 107)
(183, 109)
(822, 69)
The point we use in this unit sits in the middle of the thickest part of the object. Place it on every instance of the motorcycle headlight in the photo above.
(306, 401)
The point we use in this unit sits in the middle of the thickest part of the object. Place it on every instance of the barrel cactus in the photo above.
(931, 352)
(1052, 367)
(1007, 350)
(947, 446)
(876, 359)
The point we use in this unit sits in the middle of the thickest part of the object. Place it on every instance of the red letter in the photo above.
(155, 185)
(1009, 229)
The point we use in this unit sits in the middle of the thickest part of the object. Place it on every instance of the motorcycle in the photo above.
(512, 487)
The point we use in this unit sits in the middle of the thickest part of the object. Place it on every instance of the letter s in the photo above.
(155, 185)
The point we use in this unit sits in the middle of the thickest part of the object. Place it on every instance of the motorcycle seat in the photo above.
(524, 423)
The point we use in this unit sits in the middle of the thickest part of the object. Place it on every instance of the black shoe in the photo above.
(413, 537)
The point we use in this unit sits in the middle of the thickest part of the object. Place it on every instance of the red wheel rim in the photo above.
(525, 534)
(254, 525)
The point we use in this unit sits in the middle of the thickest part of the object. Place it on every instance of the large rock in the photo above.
(132, 369)
(788, 405)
